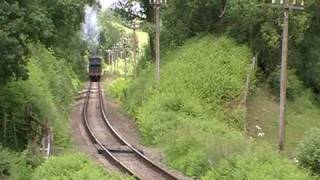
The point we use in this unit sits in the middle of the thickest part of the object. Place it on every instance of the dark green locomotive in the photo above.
(95, 68)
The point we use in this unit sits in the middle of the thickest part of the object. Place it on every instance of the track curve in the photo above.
(109, 142)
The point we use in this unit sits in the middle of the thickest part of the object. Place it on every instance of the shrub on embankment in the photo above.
(259, 164)
(308, 151)
(196, 116)
(49, 91)
(73, 167)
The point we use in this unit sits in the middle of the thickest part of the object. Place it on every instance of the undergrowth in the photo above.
(49, 91)
(73, 167)
(195, 115)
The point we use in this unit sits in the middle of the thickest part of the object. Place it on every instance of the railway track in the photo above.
(111, 145)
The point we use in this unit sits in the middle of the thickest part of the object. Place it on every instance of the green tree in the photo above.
(110, 33)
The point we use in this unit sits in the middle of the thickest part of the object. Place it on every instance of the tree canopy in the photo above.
(22, 21)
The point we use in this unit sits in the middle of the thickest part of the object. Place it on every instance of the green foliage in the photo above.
(262, 165)
(212, 69)
(5, 162)
(197, 103)
(263, 34)
(17, 165)
(200, 143)
(301, 115)
(138, 91)
(308, 151)
(295, 85)
(118, 89)
(48, 90)
(21, 165)
(110, 33)
(309, 62)
(72, 166)
(234, 17)
(199, 83)
(184, 153)
(22, 21)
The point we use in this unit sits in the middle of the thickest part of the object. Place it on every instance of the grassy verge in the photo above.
(70, 165)
(301, 116)
(73, 167)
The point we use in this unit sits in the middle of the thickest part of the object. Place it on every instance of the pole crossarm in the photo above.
(284, 6)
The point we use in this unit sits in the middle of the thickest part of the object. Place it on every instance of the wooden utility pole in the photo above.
(4, 129)
(284, 67)
(125, 67)
(14, 130)
(284, 75)
(114, 60)
(124, 47)
(157, 5)
(111, 61)
(157, 8)
(134, 50)
(117, 61)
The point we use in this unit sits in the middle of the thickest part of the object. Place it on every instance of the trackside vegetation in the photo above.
(259, 164)
(308, 151)
(49, 91)
(66, 166)
(73, 167)
(196, 116)
(42, 66)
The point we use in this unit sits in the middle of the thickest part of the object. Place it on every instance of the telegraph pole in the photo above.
(124, 55)
(284, 75)
(157, 8)
(284, 68)
(157, 5)
(134, 48)
(109, 59)
(134, 53)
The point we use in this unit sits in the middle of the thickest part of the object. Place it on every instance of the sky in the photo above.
(107, 3)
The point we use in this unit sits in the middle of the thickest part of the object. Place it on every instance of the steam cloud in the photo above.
(91, 29)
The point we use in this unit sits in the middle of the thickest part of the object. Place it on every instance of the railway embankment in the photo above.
(196, 116)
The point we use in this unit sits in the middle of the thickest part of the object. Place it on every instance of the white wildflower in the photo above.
(258, 127)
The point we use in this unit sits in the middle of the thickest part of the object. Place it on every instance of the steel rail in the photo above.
(107, 154)
(156, 167)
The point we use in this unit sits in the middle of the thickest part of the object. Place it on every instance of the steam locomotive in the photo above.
(95, 68)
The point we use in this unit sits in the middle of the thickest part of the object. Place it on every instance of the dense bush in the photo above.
(295, 85)
(138, 91)
(200, 82)
(48, 90)
(5, 157)
(75, 166)
(18, 165)
(309, 63)
(200, 144)
(263, 165)
(308, 151)
(200, 78)
(118, 89)
(197, 103)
